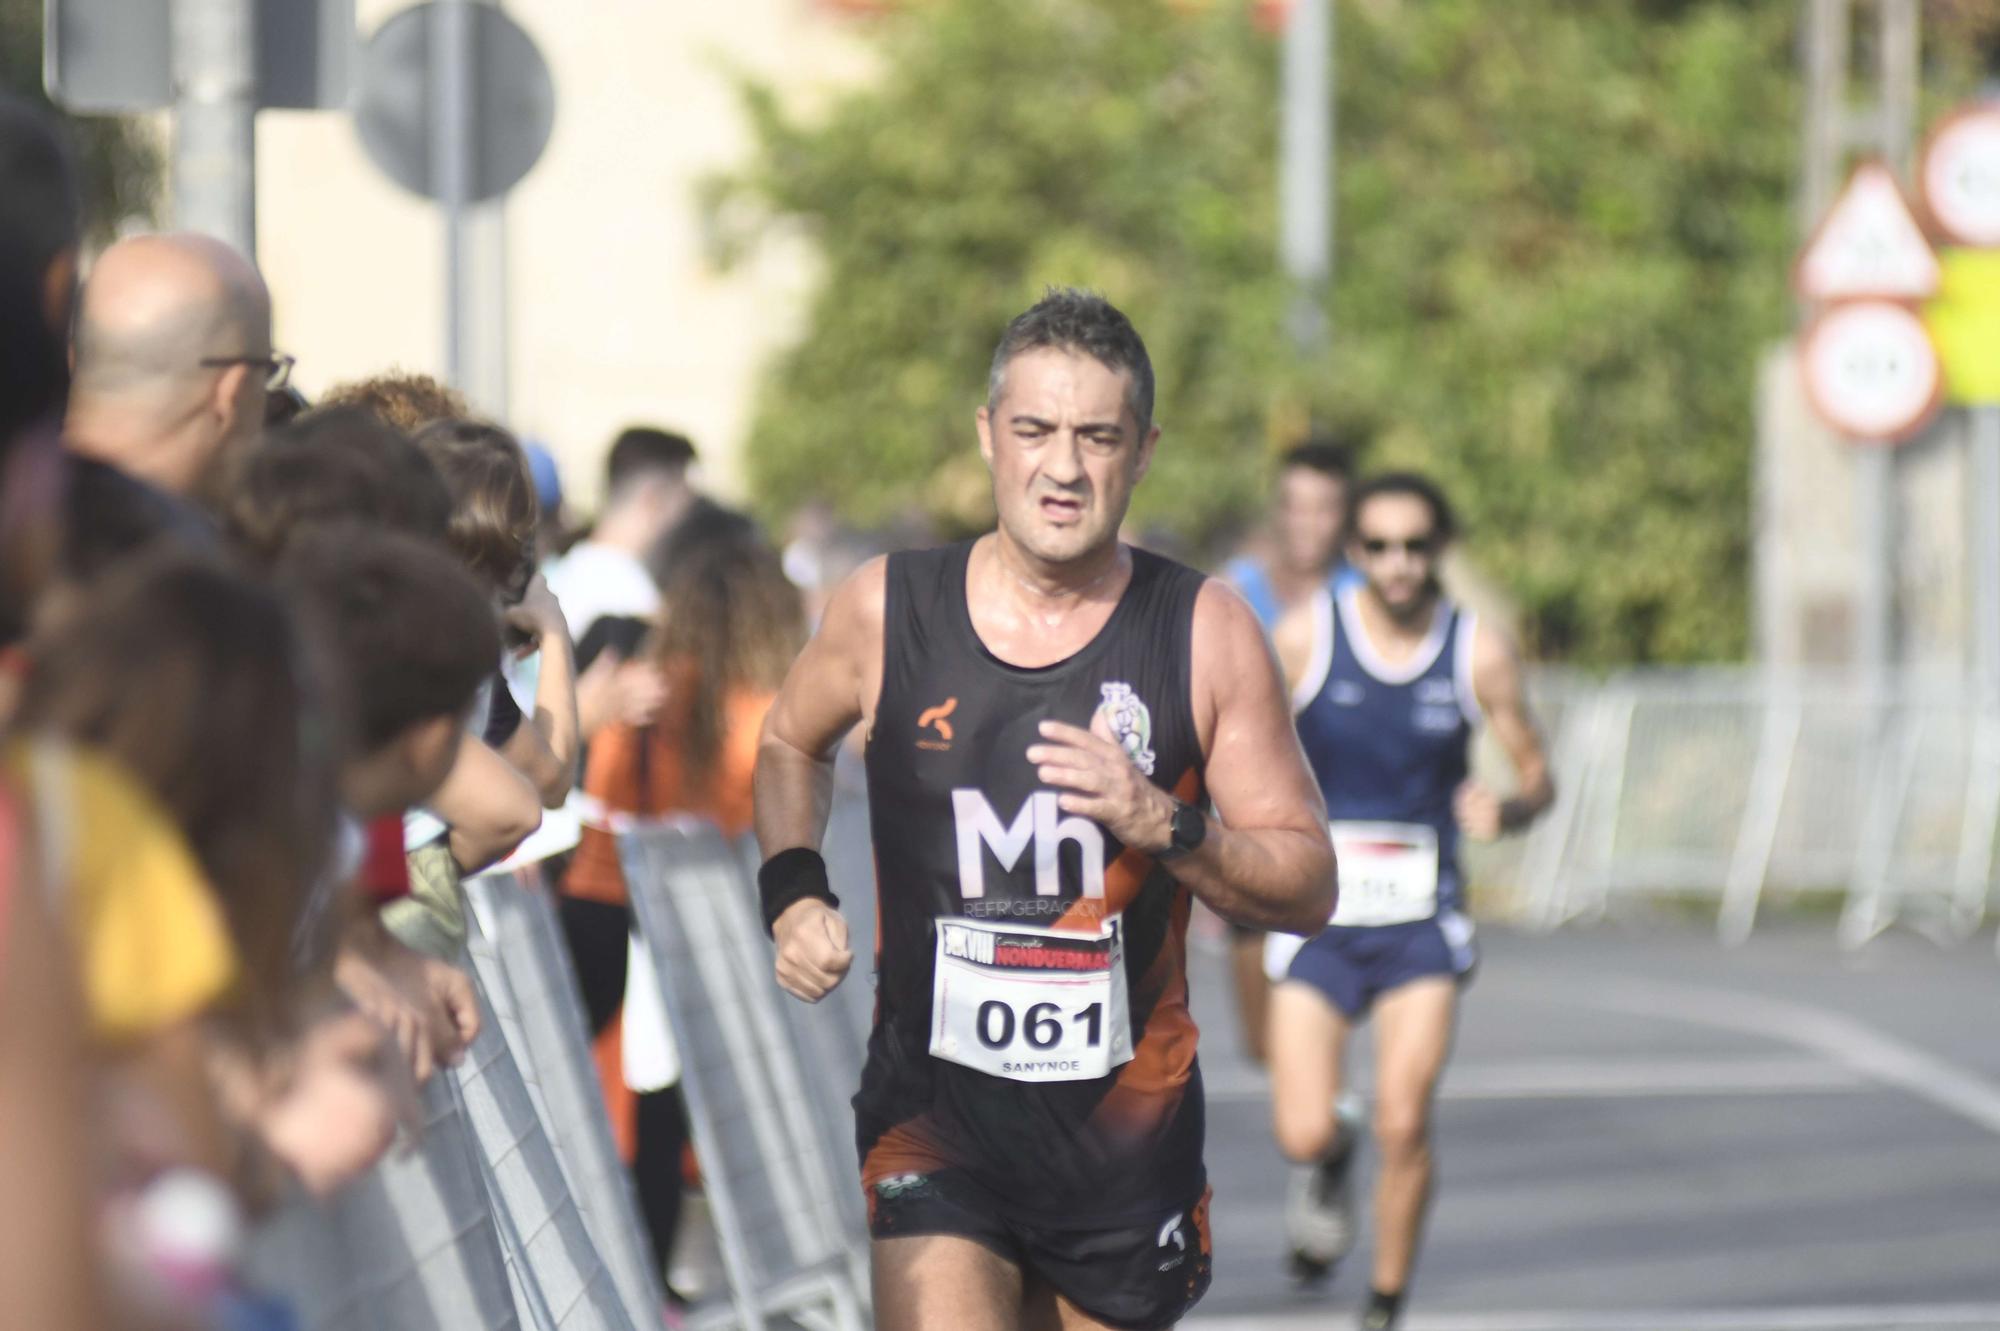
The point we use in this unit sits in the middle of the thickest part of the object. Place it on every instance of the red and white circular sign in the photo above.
(1961, 175)
(1870, 371)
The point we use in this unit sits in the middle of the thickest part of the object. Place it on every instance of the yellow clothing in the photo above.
(152, 946)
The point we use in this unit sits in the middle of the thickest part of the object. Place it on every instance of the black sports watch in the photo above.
(1187, 830)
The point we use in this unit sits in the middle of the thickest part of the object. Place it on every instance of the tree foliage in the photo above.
(119, 163)
(1563, 233)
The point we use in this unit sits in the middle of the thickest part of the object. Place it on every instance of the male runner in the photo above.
(1390, 681)
(1308, 519)
(1046, 712)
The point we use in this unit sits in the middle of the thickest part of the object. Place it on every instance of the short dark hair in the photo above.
(639, 449)
(338, 464)
(1323, 453)
(410, 634)
(1444, 523)
(41, 206)
(494, 512)
(40, 218)
(1070, 319)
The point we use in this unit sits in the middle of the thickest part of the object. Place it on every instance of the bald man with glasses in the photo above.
(173, 361)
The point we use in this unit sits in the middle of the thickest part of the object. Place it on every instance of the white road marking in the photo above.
(1883, 1317)
(1869, 1052)
(1603, 1078)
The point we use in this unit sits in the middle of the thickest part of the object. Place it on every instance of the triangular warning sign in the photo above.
(1868, 245)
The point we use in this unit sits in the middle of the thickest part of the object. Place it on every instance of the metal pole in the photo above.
(1875, 463)
(1875, 545)
(451, 60)
(215, 118)
(1897, 51)
(1305, 164)
(1824, 36)
(1984, 525)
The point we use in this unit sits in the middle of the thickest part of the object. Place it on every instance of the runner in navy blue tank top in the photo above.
(1046, 710)
(1389, 681)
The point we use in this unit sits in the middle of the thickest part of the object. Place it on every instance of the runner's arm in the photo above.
(1266, 861)
(829, 688)
(1497, 685)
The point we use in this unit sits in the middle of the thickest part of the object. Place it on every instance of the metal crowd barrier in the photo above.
(412, 1245)
(518, 951)
(559, 1282)
(474, 1226)
(1735, 784)
(790, 1246)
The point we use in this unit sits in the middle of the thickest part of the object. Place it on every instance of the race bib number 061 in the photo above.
(1030, 1004)
(1388, 873)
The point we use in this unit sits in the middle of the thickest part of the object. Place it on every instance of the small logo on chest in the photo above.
(938, 719)
(1131, 723)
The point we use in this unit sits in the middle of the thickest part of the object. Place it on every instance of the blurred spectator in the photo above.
(646, 491)
(336, 478)
(40, 220)
(196, 681)
(1301, 554)
(552, 529)
(729, 627)
(412, 639)
(334, 465)
(492, 530)
(48, 1262)
(173, 361)
(1308, 524)
(407, 401)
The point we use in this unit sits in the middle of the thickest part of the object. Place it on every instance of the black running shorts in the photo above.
(1142, 1277)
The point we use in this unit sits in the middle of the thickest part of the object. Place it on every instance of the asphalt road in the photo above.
(1644, 1130)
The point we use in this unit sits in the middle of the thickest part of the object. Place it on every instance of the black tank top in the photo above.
(963, 829)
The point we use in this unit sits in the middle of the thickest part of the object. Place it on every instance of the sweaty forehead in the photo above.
(1069, 387)
(1394, 517)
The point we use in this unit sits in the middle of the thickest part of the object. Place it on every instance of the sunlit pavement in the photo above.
(1642, 1129)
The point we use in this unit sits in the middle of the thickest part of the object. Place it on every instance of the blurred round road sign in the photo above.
(1870, 371)
(1961, 175)
(513, 99)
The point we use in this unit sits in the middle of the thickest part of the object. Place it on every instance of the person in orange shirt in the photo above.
(728, 629)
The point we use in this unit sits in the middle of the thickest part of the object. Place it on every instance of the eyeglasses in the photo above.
(1420, 546)
(277, 367)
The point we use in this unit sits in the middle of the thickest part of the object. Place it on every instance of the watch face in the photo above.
(1189, 828)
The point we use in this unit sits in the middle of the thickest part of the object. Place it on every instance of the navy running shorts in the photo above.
(1354, 967)
(1140, 1277)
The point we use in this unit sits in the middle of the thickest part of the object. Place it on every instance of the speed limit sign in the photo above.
(1961, 175)
(1870, 371)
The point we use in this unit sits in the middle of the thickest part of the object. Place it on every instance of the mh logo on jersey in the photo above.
(1039, 822)
(1131, 723)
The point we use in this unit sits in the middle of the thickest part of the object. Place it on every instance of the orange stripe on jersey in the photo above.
(911, 1147)
(1147, 1090)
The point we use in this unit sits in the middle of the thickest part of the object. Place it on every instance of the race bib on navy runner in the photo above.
(1030, 1004)
(1388, 873)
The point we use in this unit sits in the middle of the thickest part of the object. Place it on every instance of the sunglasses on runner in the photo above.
(1421, 546)
(277, 367)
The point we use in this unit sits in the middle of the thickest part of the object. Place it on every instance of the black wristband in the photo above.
(790, 877)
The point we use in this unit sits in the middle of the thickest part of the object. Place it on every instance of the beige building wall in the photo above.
(613, 311)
